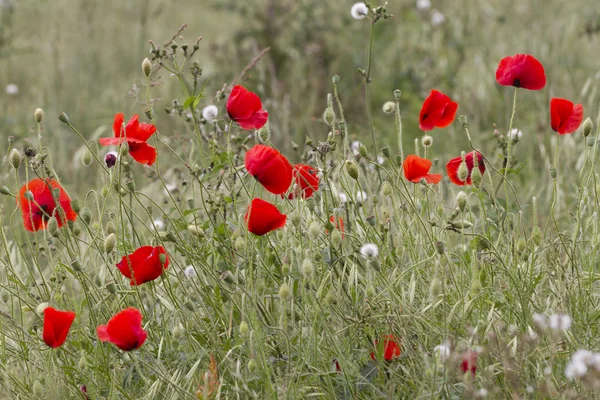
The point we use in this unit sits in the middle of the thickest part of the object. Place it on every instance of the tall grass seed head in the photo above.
(359, 10)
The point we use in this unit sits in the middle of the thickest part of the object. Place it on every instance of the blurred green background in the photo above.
(83, 57)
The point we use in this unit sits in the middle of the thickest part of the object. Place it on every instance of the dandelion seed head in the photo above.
(560, 322)
(359, 10)
(210, 113)
(369, 250)
(443, 351)
(158, 224)
(12, 89)
(515, 134)
(423, 5)
(437, 18)
(189, 271)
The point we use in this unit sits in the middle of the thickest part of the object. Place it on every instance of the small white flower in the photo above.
(209, 113)
(547, 371)
(369, 250)
(582, 356)
(354, 146)
(443, 350)
(529, 389)
(359, 10)
(170, 188)
(540, 321)
(483, 392)
(575, 370)
(361, 197)
(158, 224)
(515, 134)
(437, 18)
(380, 159)
(560, 322)
(189, 271)
(343, 198)
(423, 5)
(12, 89)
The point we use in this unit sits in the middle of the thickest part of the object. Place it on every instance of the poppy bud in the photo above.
(97, 280)
(264, 134)
(476, 177)
(82, 362)
(252, 363)
(178, 331)
(329, 116)
(386, 188)
(352, 169)
(463, 120)
(38, 389)
(146, 67)
(461, 200)
(76, 265)
(335, 79)
(15, 158)
(162, 257)
(463, 172)
(124, 149)
(38, 114)
(307, 268)
(553, 173)
(521, 245)
(86, 158)
(362, 150)
(86, 215)
(5, 296)
(296, 219)
(435, 288)
(28, 195)
(191, 203)
(190, 305)
(389, 107)
(244, 329)
(336, 237)
(427, 141)
(149, 113)
(397, 94)
(41, 307)
(105, 190)
(75, 206)
(240, 244)
(331, 298)
(109, 243)
(536, 235)
(590, 141)
(64, 118)
(461, 224)
(440, 247)
(196, 230)
(228, 277)
(314, 230)
(284, 291)
(587, 127)
(386, 151)
(111, 287)
(52, 226)
(110, 228)
(4, 190)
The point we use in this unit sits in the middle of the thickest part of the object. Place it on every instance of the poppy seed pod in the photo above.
(52, 226)
(38, 114)
(427, 141)
(109, 243)
(389, 107)
(86, 158)
(15, 158)
(352, 169)
(587, 127)
(4, 190)
(86, 215)
(397, 94)
(146, 67)
(284, 291)
(64, 118)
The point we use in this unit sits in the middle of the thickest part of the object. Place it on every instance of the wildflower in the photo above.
(245, 108)
(565, 116)
(307, 181)
(443, 351)
(124, 330)
(12, 89)
(423, 5)
(361, 197)
(56, 326)
(369, 251)
(359, 10)
(343, 198)
(189, 271)
(521, 71)
(391, 349)
(135, 135)
(417, 168)
(209, 113)
(438, 111)
(355, 146)
(158, 224)
(437, 18)
(38, 205)
(580, 362)
(110, 159)
(339, 224)
(263, 217)
(469, 362)
(144, 264)
(269, 167)
(452, 168)
(515, 134)
(560, 322)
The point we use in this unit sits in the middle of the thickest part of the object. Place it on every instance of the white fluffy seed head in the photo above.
(210, 113)
(437, 18)
(515, 134)
(189, 271)
(370, 251)
(359, 10)
(443, 351)
(423, 5)
(158, 224)
(12, 89)
(560, 322)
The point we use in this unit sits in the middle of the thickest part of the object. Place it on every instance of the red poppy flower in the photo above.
(143, 265)
(391, 349)
(37, 212)
(521, 71)
(136, 135)
(124, 330)
(454, 164)
(56, 326)
(263, 217)
(339, 225)
(469, 362)
(417, 168)
(269, 167)
(307, 181)
(438, 111)
(565, 116)
(245, 108)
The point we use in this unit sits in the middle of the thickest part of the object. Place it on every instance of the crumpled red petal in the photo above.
(144, 263)
(438, 110)
(263, 217)
(521, 71)
(565, 116)
(269, 167)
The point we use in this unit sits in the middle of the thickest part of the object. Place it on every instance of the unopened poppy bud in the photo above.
(536, 235)
(335, 79)
(38, 114)
(130, 184)
(362, 150)
(427, 141)
(190, 305)
(553, 172)
(389, 107)
(440, 247)
(111, 287)
(590, 141)
(336, 237)
(240, 244)
(5, 296)
(352, 169)
(86, 215)
(296, 219)
(228, 277)
(461, 224)
(146, 67)
(124, 149)
(587, 127)
(252, 366)
(284, 291)
(38, 389)
(162, 257)
(397, 94)
(110, 242)
(476, 178)
(314, 230)
(110, 228)
(307, 268)
(244, 329)
(521, 245)
(105, 190)
(386, 188)
(75, 206)
(15, 158)
(191, 203)
(4, 190)
(463, 172)
(41, 307)
(461, 200)
(82, 364)
(264, 134)
(329, 116)
(196, 230)
(28, 195)
(331, 298)
(435, 288)
(64, 118)
(386, 151)
(178, 331)
(86, 158)
(76, 265)
(52, 226)
(463, 120)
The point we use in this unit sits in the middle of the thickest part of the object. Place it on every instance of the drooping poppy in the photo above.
(469, 362)
(42, 205)
(136, 135)
(144, 264)
(269, 167)
(245, 108)
(521, 71)
(417, 168)
(391, 348)
(263, 217)
(565, 116)
(306, 179)
(438, 111)
(454, 164)
(124, 330)
(56, 326)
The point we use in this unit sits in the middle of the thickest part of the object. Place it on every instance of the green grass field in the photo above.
(377, 285)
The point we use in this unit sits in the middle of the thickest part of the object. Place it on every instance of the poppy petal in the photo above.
(142, 152)
(565, 117)
(116, 141)
(242, 103)
(124, 330)
(448, 115)
(438, 110)
(263, 217)
(521, 71)
(269, 167)
(415, 167)
(37, 212)
(255, 121)
(118, 126)
(143, 265)
(307, 181)
(453, 165)
(56, 326)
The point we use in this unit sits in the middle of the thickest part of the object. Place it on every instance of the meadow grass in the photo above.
(502, 273)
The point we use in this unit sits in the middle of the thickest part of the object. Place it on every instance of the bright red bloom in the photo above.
(245, 108)
(124, 330)
(417, 168)
(307, 181)
(263, 217)
(339, 225)
(565, 116)
(136, 135)
(521, 71)
(391, 349)
(438, 111)
(270, 168)
(469, 362)
(454, 164)
(143, 265)
(38, 211)
(56, 326)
